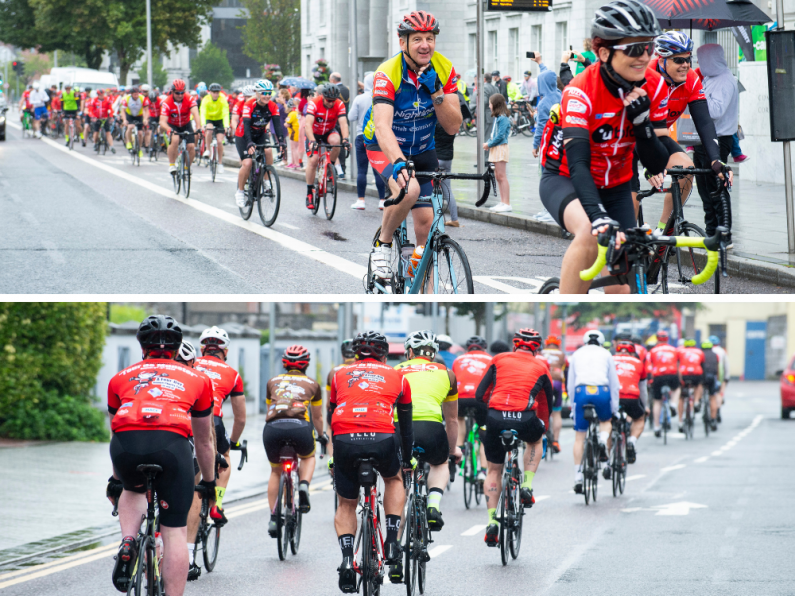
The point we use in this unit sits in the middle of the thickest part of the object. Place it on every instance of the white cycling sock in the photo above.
(190, 553)
(603, 437)
(577, 473)
(632, 439)
(435, 499)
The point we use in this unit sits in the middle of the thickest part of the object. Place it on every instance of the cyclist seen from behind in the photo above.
(469, 369)
(691, 359)
(227, 384)
(713, 378)
(288, 398)
(323, 113)
(154, 406)
(664, 362)
(556, 359)
(592, 380)
(723, 359)
(611, 108)
(214, 112)
(519, 393)
(176, 112)
(633, 392)
(364, 397)
(348, 357)
(411, 92)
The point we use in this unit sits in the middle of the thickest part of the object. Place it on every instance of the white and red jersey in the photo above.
(631, 372)
(154, 107)
(325, 118)
(103, 107)
(556, 360)
(469, 369)
(178, 113)
(690, 361)
(664, 359)
(681, 94)
(227, 382)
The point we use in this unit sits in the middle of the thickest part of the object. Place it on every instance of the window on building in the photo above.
(513, 52)
(322, 52)
(124, 357)
(492, 56)
(561, 38)
(473, 50)
(536, 41)
(321, 13)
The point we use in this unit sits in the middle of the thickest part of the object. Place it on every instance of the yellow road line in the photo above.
(80, 555)
(56, 569)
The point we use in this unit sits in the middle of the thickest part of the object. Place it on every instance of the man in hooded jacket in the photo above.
(722, 92)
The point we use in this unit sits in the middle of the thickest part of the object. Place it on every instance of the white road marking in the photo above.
(681, 508)
(636, 477)
(438, 550)
(474, 530)
(503, 287)
(714, 453)
(701, 460)
(291, 227)
(540, 498)
(53, 252)
(303, 248)
(672, 468)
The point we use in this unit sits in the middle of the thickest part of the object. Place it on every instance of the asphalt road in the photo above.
(711, 516)
(78, 223)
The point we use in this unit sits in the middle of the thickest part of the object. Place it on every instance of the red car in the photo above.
(788, 390)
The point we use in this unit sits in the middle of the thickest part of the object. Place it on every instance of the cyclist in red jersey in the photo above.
(103, 110)
(176, 112)
(664, 362)
(322, 114)
(691, 360)
(633, 393)
(519, 392)
(607, 110)
(154, 406)
(227, 384)
(364, 396)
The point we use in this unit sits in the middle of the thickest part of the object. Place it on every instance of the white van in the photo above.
(83, 77)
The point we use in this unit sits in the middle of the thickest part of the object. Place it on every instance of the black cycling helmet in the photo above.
(159, 331)
(476, 343)
(214, 87)
(330, 92)
(347, 349)
(624, 18)
(499, 346)
(371, 344)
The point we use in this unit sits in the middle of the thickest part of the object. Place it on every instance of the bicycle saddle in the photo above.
(589, 412)
(509, 439)
(149, 469)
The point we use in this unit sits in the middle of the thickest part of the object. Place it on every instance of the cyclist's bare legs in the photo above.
(220, 141)
(394, 499)
(311, 167)
(636, 429)
(334, 139)
(175, 559)
(109, 137)
(193, 514)
(394, 215)
(557, 425)
(242, 175)
(273, 484)
(224, 473)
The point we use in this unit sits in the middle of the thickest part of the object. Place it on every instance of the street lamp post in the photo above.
(149, 43)
(480, 110)
(353, 34)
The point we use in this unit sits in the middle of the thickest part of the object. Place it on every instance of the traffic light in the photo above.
(19, 67)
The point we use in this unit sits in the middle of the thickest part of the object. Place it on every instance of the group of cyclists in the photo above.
(168, 410)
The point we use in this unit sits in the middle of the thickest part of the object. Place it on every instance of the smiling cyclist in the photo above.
(411, 91)
(609, 109)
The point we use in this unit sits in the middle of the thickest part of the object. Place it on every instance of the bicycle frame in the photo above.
(369, 517)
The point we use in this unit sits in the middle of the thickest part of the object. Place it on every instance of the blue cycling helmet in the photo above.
(714, 340)
(672, 42)
(263, 86)
(201, 88)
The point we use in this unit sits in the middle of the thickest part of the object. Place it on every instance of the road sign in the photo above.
(520, 5)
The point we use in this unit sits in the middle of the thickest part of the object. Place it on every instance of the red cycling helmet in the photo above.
(296, 357)
(417, 22)
(553, 340)
(626, 345)
(178, 85)
(662, 336)
(527, 339)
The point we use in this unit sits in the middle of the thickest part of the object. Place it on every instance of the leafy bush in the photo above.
(50, 355)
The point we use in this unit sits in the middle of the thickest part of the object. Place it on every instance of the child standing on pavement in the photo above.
(293, 131)
(497, 146)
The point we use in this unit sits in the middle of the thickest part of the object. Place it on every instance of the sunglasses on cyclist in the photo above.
(680, 60)
(636, 49)
(178, 92)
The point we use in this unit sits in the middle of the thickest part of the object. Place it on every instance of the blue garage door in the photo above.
(755, 336)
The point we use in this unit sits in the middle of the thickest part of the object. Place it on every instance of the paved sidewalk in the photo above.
(55, 492)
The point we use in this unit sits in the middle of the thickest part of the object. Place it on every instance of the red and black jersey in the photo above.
(517, 382)
(681, 94)
(255, 118)
(178, 113)
(690, 361)
(226, 380)
(325, 118)
(664, 360)
(469, 369)
(631, 372)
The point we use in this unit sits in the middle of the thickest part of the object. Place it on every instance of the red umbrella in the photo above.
(706, 14)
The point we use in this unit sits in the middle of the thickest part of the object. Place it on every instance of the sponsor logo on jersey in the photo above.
(575, 120)
(664, 102)
(576, 107)
(381, 83)
(605, 115)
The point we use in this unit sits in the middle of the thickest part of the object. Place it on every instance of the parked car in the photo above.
(788, 389)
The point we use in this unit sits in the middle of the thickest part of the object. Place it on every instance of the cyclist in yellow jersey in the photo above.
(348, 357)
(134, 110)
(434, 395)
(214, 112)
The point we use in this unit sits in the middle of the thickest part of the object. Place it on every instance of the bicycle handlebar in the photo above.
(243, 452)
(487, 176)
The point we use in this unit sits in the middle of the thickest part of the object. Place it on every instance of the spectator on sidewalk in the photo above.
(722, 93)
(293, 131)
(444, 153)
(359, 107)
(488, 90)
(737, 153)
(500, 84)
(550, 95)
(497, 146)
(586, 58)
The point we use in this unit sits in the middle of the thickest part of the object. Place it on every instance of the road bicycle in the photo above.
(590, 456)
(56, 125)
(155, 141)
(136, 147)
(687, 415)
(147, 577)
(70, 132)
(618, 452)
(468, 127)
(326, 180)
(212, 161)
(665, 412)
(27, 124)
(101, 146)
(473, 488)
(521, 119)
(444, 267)
(287, 511)
(262, 188)
(706, 415)
(368, 559)
(677, 225)
(510, 510)
(416, 531)
(181, 177)
(629, 263)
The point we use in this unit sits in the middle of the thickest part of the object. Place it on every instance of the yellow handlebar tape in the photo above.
(601, 259)
(689, 241)
(706, 273)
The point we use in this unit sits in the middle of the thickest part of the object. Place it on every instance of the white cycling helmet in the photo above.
(445, 339)
(186, 352)
(36, 85)
(248, 90)
(144, 88)
(421, 339)
(214, 336)
(263, 86)
(593, 336)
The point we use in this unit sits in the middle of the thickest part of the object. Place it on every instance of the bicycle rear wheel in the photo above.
(410, 560)
(330, 198)
(550, 286)
(614, 464)
(503, 523)
(469, 476)
(587, 463)
(368, 561)
(622, 454)
(425, 539)
(475, 462)
(594, 469)
(454, 275)
(210, 542)
(295, 525)
(269, 198)
(186, 176)
(515, 531)
(281, 510)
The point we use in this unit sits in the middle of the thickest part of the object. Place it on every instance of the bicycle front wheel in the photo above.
(186, 176)
(270, 196)
(330, 197)
(469, 476)
(689, 257)
(281, 510)
(504, 555)
(213, 163)
(451, 274)
(210, 543)
(587, 466)
(409, 559)
(177, 176)
(550, 286)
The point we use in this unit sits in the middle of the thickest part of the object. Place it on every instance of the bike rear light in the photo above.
(288, 465)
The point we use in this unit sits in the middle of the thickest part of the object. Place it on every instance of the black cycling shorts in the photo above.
(431, 437)
(190, 140)
(711, 383)
(242, 145)
(69, 114)
(218, 125)
(174, 485)
(321, 139)
(383, 447)
(692, 380)
(222, 443)
(479, 409)
(633, 408)
(670, 381)
(529, 428)
(423, 162)
(293, 430)
(558, 191)
(98, 123)
(196, 468)
(137, 120)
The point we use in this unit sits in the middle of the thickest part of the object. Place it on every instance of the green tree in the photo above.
(585, 312)
(211, 66)
(50, 354)
(159, 74)
(272, 33)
